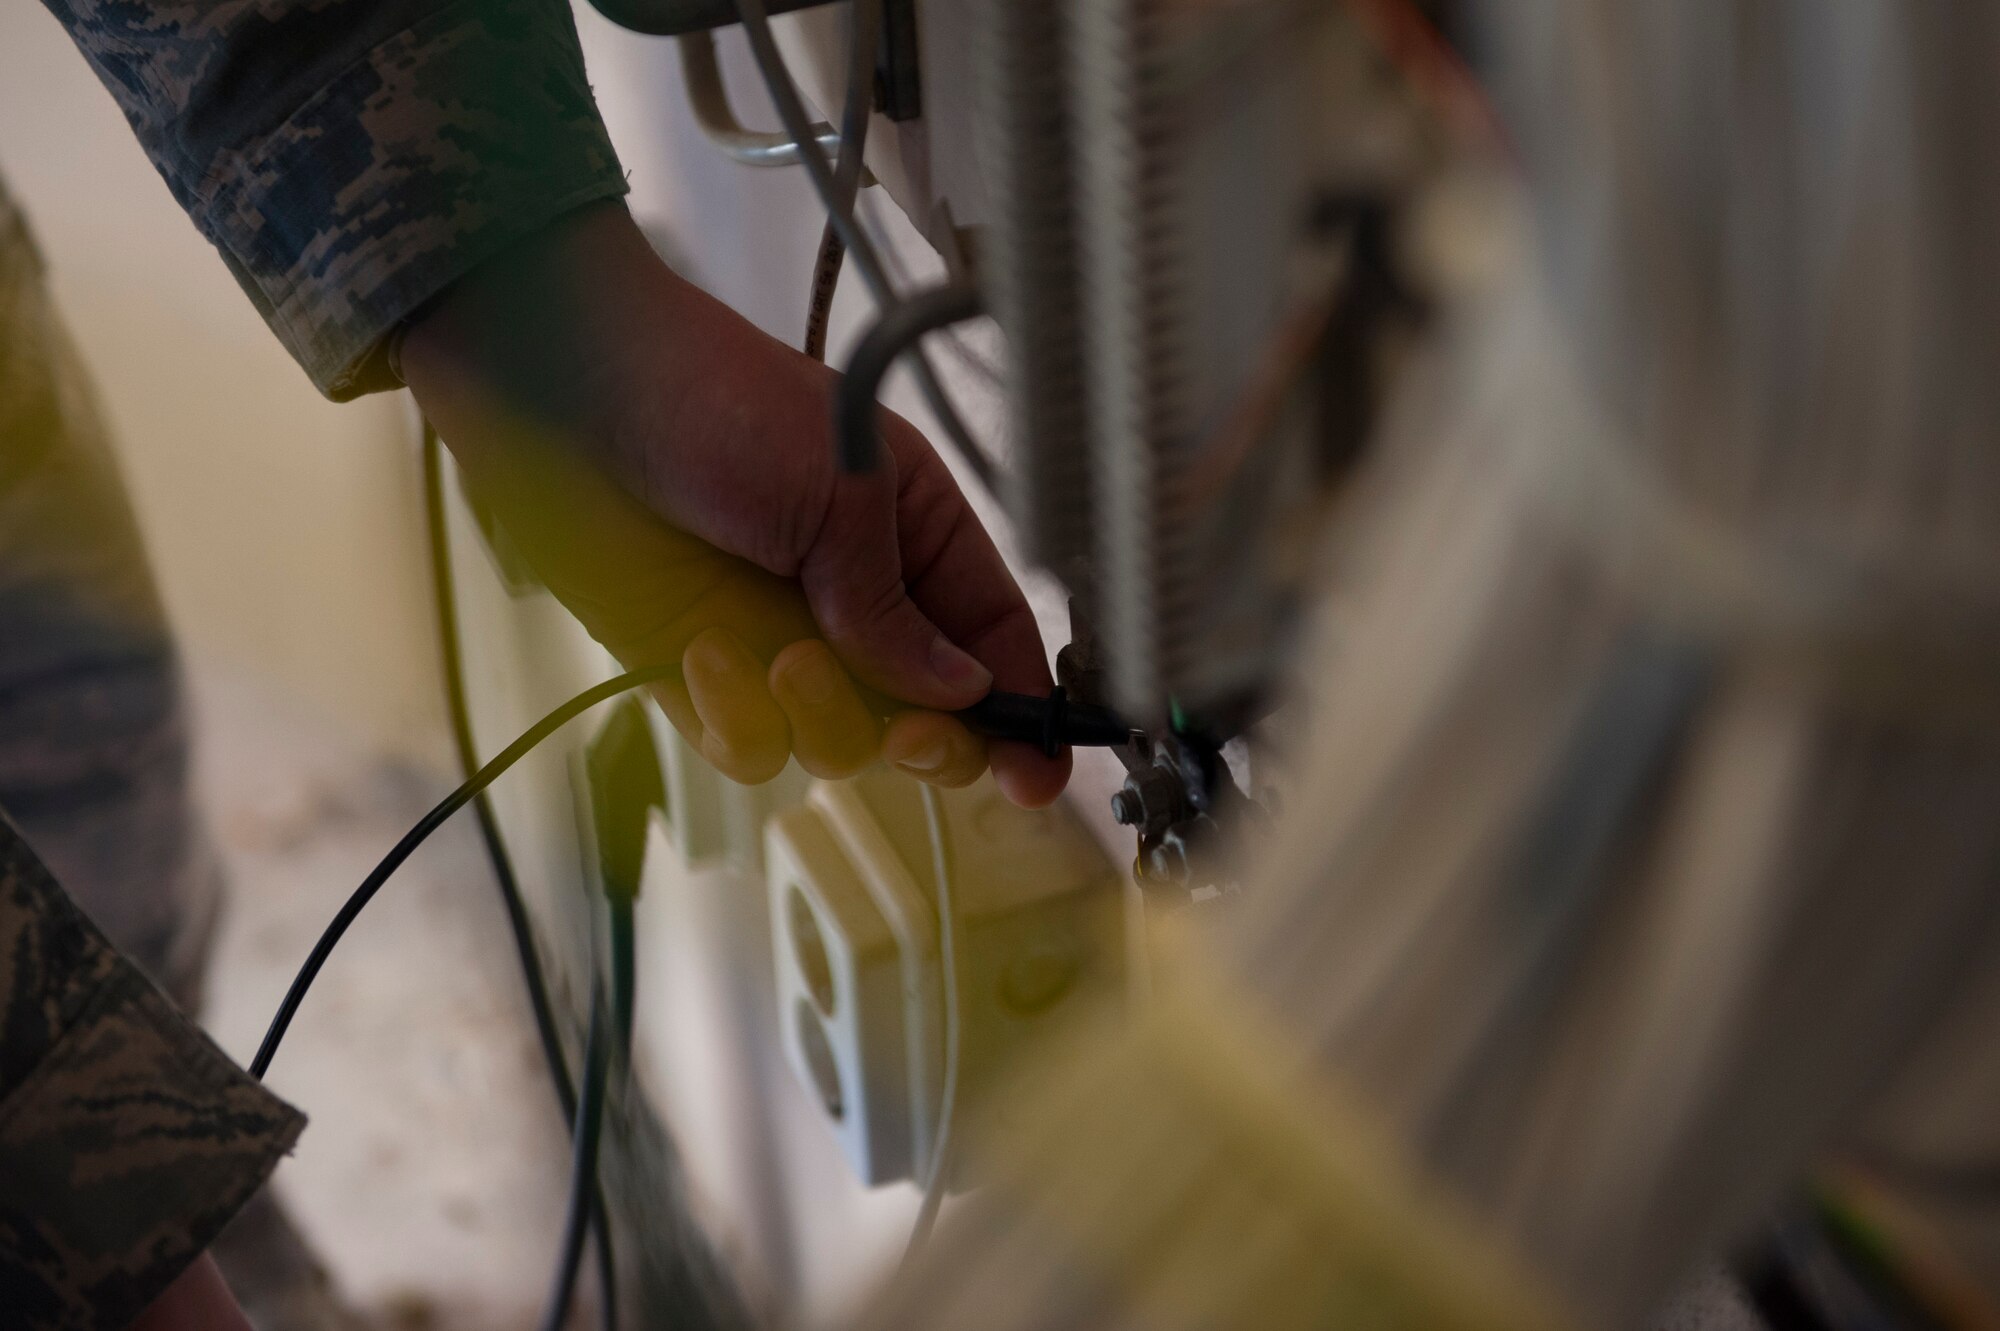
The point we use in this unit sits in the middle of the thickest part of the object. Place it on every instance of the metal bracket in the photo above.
(709, 98)
(899, 88)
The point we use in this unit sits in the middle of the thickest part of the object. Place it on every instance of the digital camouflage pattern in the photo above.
(127, 1139)
(94, 743)
(350, 159)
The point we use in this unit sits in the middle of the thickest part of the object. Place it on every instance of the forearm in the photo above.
(583, 333)
(541, 331)
(351, 161)
(127, 1139)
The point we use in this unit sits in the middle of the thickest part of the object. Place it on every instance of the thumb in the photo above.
(853, 580)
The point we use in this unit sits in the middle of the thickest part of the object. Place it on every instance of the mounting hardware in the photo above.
(708, 97)
(899, 87)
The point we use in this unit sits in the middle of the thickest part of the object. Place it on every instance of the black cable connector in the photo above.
(1050, 724)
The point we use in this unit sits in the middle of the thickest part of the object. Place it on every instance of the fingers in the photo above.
(957, 578)
(833, 732)
(854, 579)
(934, 748)
(912, 593)
(744, 731)
(747, 719)
(1027, 776)
(672, 695)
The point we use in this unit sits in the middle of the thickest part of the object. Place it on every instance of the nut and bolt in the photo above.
(1150, 800)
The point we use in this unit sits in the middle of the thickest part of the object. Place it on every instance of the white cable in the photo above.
(937, 1172)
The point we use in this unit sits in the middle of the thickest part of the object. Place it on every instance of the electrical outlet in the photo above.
(1038, 913)
(840, 973)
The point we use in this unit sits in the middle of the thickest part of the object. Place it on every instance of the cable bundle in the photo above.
(1649, 813)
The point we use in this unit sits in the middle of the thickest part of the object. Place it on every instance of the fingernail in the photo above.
(956, 670)
(814, 679)
(711, 653)
(931, 758)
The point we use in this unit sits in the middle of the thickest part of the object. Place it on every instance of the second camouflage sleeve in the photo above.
(127, 1138)
(350, 160)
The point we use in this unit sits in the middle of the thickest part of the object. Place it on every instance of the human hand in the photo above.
(198, 1300)
(668, 471)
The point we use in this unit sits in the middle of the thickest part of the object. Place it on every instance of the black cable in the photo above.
(588, 1131)
(452, 651)
(444, 589)
(897, 330)
(784, 93)
(624, 972)
(417, 835)
(1775, 1297)
(677, 18)
(870, 209)
(585, 1202)
(583, 1163)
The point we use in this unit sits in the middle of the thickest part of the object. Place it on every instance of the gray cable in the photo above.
(870, 214)
(857, 440)
(864, 35)
(792, 114)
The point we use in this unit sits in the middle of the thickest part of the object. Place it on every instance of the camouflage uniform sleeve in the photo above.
(127, 1138)
(351, 159)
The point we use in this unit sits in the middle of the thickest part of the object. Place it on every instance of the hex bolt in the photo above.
(1169, 862)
